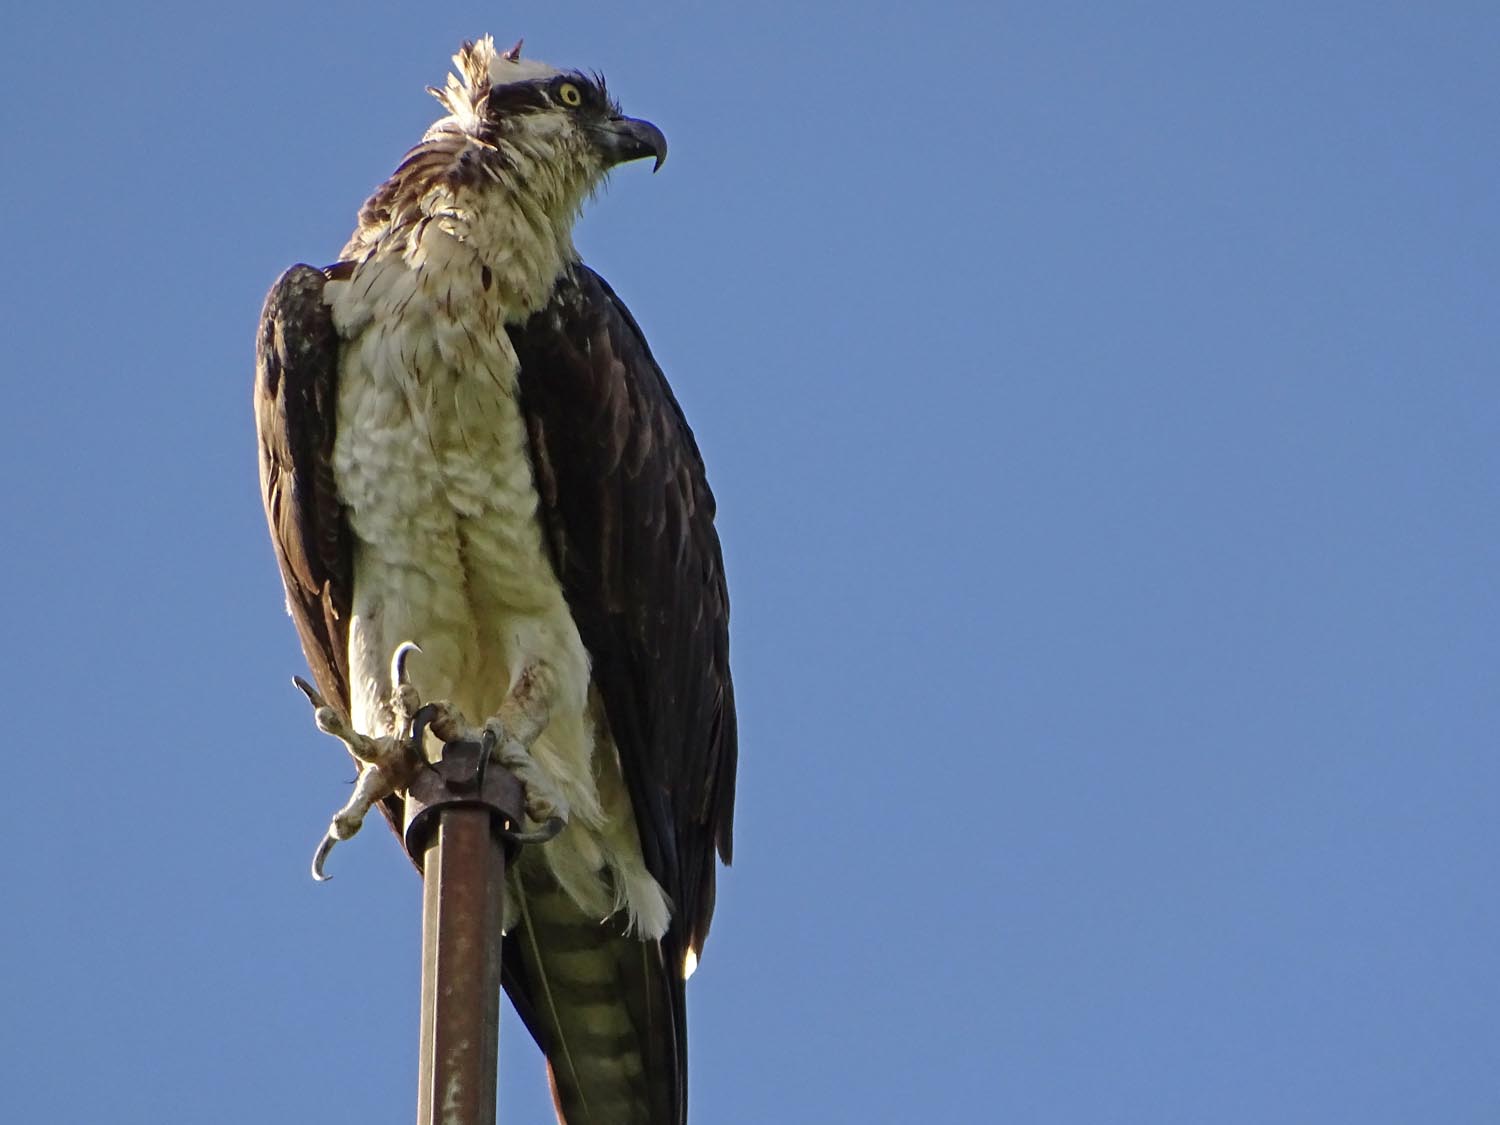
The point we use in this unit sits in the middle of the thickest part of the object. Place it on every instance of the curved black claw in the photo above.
(421, 721)
(486, 750)
(313, 696)
(540, 835)
(320, 857)
(404, 698)
(398, 661)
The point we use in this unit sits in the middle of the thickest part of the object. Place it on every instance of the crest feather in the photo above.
(463, 95)
(479, 66)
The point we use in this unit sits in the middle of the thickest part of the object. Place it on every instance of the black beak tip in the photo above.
(653, 143)
(627, 138)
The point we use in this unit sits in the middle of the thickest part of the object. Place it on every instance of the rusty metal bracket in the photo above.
(461, 778)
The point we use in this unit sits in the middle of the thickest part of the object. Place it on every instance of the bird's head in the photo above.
(553, 134)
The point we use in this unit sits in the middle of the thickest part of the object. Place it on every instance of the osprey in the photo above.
(482, 492)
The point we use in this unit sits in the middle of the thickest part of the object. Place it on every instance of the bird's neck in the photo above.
(502, 217)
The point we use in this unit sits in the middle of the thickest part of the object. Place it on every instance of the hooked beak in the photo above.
(628, 138)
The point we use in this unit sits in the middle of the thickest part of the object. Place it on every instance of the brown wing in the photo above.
(629, 517)
(296, 388)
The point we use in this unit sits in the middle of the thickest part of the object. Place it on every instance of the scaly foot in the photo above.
(387, 763)
(510, 733)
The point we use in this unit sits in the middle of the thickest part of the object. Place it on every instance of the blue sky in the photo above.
(1102, 405)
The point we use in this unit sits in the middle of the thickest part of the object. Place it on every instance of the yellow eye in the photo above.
(570, 95)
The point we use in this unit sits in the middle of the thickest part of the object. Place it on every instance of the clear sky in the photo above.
(1102, 402)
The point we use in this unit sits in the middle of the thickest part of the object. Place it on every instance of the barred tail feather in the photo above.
(606, 1009)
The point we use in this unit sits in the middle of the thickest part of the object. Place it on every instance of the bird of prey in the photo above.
(482, 494)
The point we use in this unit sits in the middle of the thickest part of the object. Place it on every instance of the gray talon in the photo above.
(404, 699)
(320, 857)
(547, 831)
(398, 661)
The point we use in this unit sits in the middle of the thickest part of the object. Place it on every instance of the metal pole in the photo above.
(455, 814)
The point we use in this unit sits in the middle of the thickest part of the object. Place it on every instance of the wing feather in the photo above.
(296, 388)
(630, 519)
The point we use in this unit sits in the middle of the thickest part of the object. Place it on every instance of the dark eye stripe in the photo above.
(517, 97)
(521, 97)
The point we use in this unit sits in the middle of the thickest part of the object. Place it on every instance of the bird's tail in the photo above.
(604, 1008)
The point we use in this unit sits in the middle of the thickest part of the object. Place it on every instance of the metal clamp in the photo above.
(462, 778)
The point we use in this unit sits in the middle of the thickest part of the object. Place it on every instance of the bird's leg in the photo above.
(511, 732)
(387, 763)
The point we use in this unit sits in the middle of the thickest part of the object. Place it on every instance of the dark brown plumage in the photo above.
(296, 406)
(629, 516)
